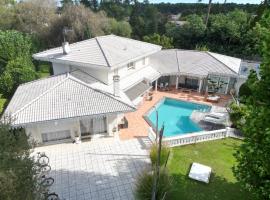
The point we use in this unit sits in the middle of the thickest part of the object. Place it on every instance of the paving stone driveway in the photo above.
(100, 169)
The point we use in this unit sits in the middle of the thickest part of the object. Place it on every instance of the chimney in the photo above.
(66, 48)
(116, 87)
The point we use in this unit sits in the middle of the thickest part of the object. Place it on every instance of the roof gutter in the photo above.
(71, 118)
(65, 62)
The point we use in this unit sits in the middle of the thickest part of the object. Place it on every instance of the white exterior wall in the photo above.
(35, 130)
(100, 74)
(124, 72)
(112, 122)
(60, 68)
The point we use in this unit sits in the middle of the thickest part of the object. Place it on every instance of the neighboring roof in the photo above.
(191, 62)
(137, 90)
(63, 96)
(102, 51)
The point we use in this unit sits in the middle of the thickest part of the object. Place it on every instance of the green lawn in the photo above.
(216, 154)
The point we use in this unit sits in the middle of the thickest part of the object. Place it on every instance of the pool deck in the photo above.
(138, 127)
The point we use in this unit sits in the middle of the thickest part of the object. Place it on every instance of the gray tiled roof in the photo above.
(106, 51)
(190, 62)
(62, 96)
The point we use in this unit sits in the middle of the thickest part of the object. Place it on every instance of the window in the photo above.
(131, 66)
(218, 84)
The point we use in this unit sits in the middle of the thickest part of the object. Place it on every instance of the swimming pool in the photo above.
(176, 116)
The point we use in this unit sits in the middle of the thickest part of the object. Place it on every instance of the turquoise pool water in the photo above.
(176, 116)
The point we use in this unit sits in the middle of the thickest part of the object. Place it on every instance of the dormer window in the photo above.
(131, 65)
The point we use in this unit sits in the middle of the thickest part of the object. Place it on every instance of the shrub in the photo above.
(163, 154)
(143, 186)
(238, 114)
(244, 90)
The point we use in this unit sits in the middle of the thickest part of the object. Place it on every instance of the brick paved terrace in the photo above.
(138, 127)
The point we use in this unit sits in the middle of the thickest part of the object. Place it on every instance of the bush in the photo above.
(238, 114)
(143, 186)
(244, 90)
(163, 154)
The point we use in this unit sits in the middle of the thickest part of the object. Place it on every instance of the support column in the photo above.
(176, 84)
(200, 85)
(156, 84)
(227, 86)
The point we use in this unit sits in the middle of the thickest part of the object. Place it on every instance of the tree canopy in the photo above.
(17, 168)
(16, 66)
(253, 169)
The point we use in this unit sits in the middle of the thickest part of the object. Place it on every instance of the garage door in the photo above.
(55, 136)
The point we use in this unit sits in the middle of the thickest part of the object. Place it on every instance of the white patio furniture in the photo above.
(216, 118)
(161, 85)
(200, 172)
(213, 99)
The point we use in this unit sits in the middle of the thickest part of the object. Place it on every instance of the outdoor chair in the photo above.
(213, 99)
(166, 86)
(161, 86)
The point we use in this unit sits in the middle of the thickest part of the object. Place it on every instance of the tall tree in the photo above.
(66, 2)
(86, 3)
(16, 66)
(17, 168)
(208, 11)
(7, 14)
(35, 16)
(253, 168)
(83, 22)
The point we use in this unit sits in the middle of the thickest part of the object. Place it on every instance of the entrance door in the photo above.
(55, 136)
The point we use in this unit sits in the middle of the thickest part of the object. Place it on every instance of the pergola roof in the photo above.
(194, 63)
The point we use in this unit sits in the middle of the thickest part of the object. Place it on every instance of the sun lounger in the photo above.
(200, 172)
(216, 118)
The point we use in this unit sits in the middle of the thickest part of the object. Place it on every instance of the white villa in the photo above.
(96, 81)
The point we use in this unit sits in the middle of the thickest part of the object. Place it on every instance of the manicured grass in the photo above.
(216, 154)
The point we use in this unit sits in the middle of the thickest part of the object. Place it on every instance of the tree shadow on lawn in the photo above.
(217, 189)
